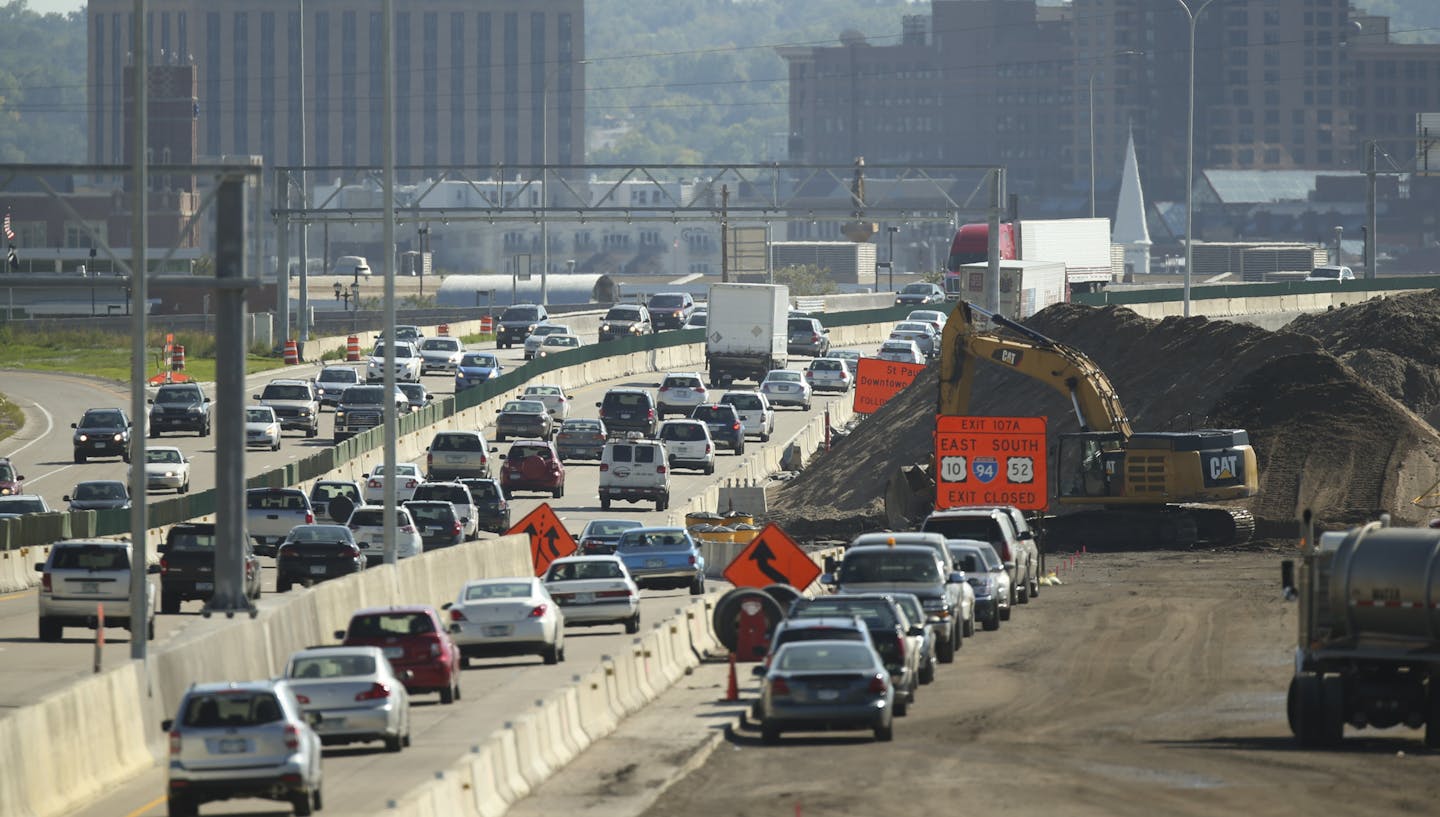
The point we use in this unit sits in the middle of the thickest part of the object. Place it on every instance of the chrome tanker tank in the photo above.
(1381, 584)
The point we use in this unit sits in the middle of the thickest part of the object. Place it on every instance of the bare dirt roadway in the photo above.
(1150, 684)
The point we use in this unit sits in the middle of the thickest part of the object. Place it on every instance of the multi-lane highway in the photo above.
(357, 779)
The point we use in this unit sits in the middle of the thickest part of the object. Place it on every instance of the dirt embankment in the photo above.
(1326, 436)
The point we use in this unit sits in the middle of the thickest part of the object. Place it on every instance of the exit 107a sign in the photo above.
(991, 461)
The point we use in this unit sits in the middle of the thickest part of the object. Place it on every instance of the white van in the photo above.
(1331, 273)
(351, 265)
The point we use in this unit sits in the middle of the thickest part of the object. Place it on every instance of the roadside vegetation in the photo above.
(12, 419)
(78, 350)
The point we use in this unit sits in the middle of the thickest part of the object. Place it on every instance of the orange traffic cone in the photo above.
(732, 690)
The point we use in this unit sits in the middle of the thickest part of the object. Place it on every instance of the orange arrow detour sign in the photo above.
(549, 540)
(772, 558)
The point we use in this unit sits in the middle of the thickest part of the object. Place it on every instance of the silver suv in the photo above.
(993, 525)
(680, 393)
(78, 577)
(635, 469)
(242, 740)
(295, 402)
(457, 454)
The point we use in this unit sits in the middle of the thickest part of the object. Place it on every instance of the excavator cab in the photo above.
(1090, 465)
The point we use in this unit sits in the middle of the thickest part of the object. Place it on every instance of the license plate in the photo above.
(89, 587)
(584, 598)
(782, 388)
(454, 457)
(497, 630)
(654, 562)
(828, 694)
(99, 445)
(317, 570)
(624, 415)
(204, 585)
(231, 746)
(328, 724)
(394, 652)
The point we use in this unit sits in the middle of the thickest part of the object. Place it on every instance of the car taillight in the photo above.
(692, 560)
(814, 338)
(649, 414)
(411, 484)
(353, 527)
(455, 529)
(164, 567)
(376, 692)
(538, 611)
(45, 583)
(699, 389)
(809, 374)
(429, 460)
(484, 460)
(354, 551)
(613, 594)
(664, 388)
(285, 553)
(707, 448)
(604, 466)
(309, 517)
(374, 483)
(598, 437)
(407, 528)
(877, 684)
(456, 615)
(175, 742)
(304, 699)
(292, 737)
(900, 648)
(735, 427)
(778, 686)
(660, 469)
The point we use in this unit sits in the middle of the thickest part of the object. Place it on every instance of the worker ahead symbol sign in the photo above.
(991, 461)
(876, 381)
(549, 540)
(772, 557)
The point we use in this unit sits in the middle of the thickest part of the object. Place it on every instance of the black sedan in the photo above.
(492, 509)
(438, 523)
(314, 553)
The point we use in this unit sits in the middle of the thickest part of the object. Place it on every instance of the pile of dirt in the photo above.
(1324, 437)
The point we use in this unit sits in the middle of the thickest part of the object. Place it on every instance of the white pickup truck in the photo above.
(270, 513)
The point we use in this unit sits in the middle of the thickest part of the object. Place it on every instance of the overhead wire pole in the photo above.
(387, 126)
(1194, 17)
(139, 238)
(303, 319)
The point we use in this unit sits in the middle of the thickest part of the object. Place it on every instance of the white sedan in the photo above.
(557, 403)
(407, 478)
(537, 337)
(407, 363)
(555, 344)
(786, 388)
(901, 351)
(262, 427)
(166, 467)
(367, 525)
(507, 617)
(594, 590)
(355, 694)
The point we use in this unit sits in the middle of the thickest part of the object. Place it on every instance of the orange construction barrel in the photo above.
(292, 353)
(487, 324)
(352, 349)
(177, 358)
(444, 330)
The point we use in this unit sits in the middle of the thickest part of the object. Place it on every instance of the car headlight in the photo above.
(530, 328)
(933, 605)
(304, 412)
(339, 416)
(634, 327)
(118, 438)
(82, 438)
(604, 327)
(194, 409)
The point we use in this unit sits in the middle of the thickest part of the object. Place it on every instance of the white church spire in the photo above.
(1130, 227)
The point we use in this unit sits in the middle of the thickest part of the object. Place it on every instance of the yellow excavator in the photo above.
(1149, 487)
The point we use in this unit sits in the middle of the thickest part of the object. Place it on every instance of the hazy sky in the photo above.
(55, 6)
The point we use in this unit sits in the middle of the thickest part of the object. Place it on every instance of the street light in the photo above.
(424, 233)
(544, 163)
(1093, 72)
(892, 230)
(1193, 16)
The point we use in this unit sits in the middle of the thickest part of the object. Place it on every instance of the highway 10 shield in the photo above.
(991, 461)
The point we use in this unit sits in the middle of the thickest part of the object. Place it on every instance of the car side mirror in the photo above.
(39, 567)
(166, 725)
(956, 577)
(364, 476)
(340, 635)
(313, 718)
(1010, 565)
(597, 405)
(254, 397)
(152, 569)
(72, 425)
(65, 498)
(759, 672)
(827, 580)
(916, 630)
(447, 605)
(151, 401)
(831, 563)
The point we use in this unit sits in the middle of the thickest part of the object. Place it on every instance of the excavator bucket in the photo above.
(909, 496)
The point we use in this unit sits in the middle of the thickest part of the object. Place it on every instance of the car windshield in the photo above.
(913, 326)
(89, 557)
(181, 538)
(697, 320)
(331, 375)
(548, 329)
(163, 455)
(363, 395)
(457, 442)
(319, 533)
(653, 540)
(331, 666)
(1322, 272)
(259, 415)
(824, 657)
(874, 612)
(801, 325)
(177, 395)
(682, 382)
(383, 625)
(480, 361)
(623, 313)
(231, 708)
(520, 313)
(626, 399)
(888, 567)
(432, 512)
(581, 571)
(685, 432)
(404, 469)
(783, 377)
(667, 301)
(580, 427)
(100, 490)
(823, 365)
(542, 390)
(743, 401)
(608, 527)
(267, 500)
(910, 606)
(916, 289)
(414, 391)
(523, 407)
(22, 504)
(561, 340)
(482, 488)
(288, 391)
(714, 414)
(401, 350)
(520, 452)
(7, 474)
(440, 345)
(102, 419)
(498, 590)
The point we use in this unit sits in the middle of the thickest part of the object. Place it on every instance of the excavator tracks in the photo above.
(1167, 526)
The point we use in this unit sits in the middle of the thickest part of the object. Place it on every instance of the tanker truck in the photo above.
(1368, 653)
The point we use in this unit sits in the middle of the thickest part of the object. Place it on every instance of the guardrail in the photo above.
(1359, 288)
(37, 530)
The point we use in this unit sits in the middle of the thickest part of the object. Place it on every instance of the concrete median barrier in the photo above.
(594, 704)
(554, 748)
(530, 748)
(627, 681)
(643, 651)
(511, 782)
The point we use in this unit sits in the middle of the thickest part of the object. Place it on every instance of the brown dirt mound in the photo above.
(1329, 436)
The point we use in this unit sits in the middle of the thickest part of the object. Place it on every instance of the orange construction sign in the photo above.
(876, 381)
(772, 558)
(549, 540)
(991, 461)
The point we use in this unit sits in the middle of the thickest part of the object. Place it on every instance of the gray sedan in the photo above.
(926, 339)
(822, 685)
(355, 694)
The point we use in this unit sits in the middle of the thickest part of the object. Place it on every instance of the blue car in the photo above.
(476, 368)
(662, 557)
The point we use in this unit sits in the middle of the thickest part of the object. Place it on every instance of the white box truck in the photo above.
(746, 331)
(1026, 287)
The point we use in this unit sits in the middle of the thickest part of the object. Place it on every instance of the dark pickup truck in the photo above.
(187, 566)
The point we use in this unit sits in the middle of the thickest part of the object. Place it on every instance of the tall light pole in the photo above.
(303, 320)
(892, 230)
(549, 76)
(1093, 72)
(1194, 17)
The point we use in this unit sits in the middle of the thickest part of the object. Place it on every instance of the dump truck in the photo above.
(1367, 653)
